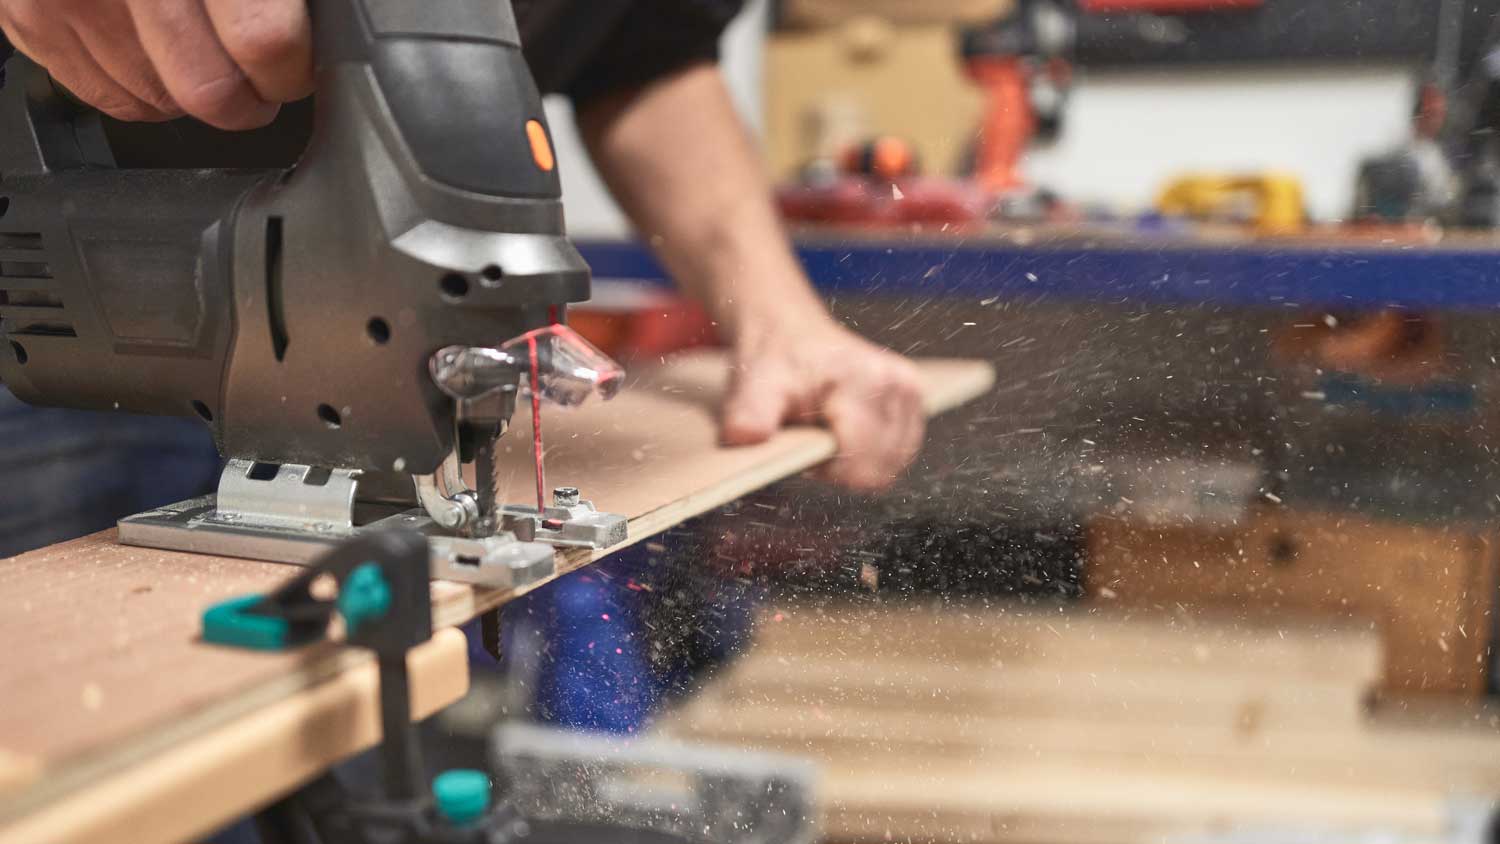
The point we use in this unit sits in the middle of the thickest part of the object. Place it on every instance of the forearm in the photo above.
(680, 162)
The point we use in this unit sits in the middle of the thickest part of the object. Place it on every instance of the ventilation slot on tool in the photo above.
(21, 257)
(29, 299)
(24, 241)
(23, 316)
(25, 269)
(28, 305)
(21, 327)
(263, 471)
(275, 315)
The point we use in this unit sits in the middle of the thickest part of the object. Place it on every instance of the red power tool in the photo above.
(1022, 61)
(877, 183)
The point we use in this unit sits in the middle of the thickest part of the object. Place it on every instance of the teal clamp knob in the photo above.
(230, 623)
(365, 596)
(462, 795)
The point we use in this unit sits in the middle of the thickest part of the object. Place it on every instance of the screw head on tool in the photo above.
(565, 496)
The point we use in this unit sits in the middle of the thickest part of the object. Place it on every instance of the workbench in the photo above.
(115, 716)
(1109, 264)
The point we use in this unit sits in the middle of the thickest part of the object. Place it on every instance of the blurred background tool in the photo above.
(1022, 63)
(1417, 181)
(1270, 202)
(1421, 180)
(878, 183)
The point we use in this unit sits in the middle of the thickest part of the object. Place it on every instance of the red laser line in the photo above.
(536, 415)
(536, 425)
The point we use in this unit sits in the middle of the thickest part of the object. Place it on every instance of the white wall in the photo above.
(590, 211)
(1127, 133)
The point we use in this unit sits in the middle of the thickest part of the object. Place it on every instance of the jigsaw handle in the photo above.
(456, 86)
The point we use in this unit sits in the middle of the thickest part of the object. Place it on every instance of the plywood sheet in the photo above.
(103, 668)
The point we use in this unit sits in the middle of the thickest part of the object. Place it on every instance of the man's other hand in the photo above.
(229, 63)
(820, 372)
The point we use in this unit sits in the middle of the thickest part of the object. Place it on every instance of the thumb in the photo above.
(753, 411)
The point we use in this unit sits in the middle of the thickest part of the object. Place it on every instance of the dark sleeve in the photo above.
(6, 51)
(652, 39)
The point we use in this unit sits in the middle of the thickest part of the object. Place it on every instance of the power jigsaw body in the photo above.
(304, 312)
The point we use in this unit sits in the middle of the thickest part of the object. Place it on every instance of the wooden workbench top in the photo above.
(104, 673)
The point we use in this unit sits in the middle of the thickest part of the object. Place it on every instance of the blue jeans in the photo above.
(597, 660)
(68, 473)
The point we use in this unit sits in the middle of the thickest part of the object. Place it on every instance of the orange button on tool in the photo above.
(541, 149)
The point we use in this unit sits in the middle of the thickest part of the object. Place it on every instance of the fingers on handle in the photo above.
(46, 37)
(194, 66)
(271, 41)
(108, 34)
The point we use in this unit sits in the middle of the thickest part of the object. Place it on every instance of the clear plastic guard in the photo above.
(568, 368)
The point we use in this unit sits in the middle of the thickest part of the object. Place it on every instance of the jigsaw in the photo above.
(354, 299)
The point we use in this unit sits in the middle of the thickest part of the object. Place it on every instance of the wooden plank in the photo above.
(1166, 697)
(951, 795)
(1320, 649)
(968, 723)
(106, 671)
(1039, 802)
(1022, 661)
(190, 788)
(1348, 756)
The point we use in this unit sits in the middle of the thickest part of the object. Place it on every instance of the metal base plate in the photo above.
(576, 526)
(195, 525)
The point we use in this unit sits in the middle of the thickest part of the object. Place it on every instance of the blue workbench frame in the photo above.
(1260, 275)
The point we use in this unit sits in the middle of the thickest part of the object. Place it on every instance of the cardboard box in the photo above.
(855, 82)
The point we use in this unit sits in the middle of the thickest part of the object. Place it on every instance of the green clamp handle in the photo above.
(382, 595)
(364, 596)
(231, 623)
